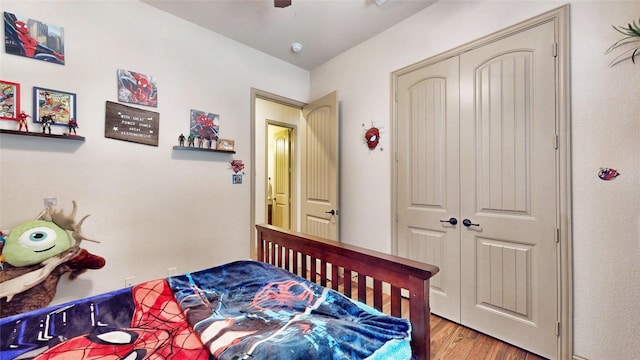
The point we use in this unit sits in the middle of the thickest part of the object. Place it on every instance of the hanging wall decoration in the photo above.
(9, 100)
(237, 166)
(630, 43)
(33, 39)
(136, 88)
(53, 107)
(205, 125)
(372, 137)
(131, 124)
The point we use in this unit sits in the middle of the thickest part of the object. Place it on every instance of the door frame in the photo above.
(264, 95)
(560, 18)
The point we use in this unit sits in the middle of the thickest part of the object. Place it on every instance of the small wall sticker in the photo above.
(237, 166)
(608, 174)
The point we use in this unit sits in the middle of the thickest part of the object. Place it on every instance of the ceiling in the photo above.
(325, 28)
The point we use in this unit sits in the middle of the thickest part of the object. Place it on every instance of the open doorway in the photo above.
(274, 115)
(281, 169)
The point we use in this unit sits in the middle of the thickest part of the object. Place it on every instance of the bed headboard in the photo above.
(308, 256)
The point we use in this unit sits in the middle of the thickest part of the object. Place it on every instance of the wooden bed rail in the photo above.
(301, 254)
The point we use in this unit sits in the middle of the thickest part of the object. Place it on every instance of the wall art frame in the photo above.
(137, 88)
(204, 124)
(61, 105)
(225, 145)
(9, 100)
(33, 39)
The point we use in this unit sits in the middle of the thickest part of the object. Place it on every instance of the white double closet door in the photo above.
(477, 145)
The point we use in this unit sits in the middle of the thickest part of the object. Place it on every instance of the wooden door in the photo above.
(477, 143)
(319, 168)
(508, 184)
(282, 179)
(428, 192)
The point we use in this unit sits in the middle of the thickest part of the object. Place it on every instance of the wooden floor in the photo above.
(451, 341)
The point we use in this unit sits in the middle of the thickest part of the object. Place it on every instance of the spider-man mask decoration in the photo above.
(372, 136)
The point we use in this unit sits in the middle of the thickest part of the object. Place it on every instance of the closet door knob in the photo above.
(467, 223)
(451, 221)
(332, 212)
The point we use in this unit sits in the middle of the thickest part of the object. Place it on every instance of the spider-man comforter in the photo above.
(241, 310)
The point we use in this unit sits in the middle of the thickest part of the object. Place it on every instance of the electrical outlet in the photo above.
(128, 281)
(171, 271)
(50, 202)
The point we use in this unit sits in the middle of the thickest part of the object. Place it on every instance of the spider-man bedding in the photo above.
(240, 310)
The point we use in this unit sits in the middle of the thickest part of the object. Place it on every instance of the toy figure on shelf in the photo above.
(22, 118)
(73, 124)
(209, 143)
(200, 139)
(47, 120)
(191, 138)
(181, 139)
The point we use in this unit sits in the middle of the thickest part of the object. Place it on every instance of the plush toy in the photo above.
(39, 252)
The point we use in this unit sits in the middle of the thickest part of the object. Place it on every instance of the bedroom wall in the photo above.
(151, 207)
(605, 130)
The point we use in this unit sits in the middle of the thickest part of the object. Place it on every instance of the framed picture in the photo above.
(236, 179)
(33, 39)
(225, 144)
(136, 88)
(204, 124)
(9, 100)
(60, 106)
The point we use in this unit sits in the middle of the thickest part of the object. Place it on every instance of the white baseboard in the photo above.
(576, 357)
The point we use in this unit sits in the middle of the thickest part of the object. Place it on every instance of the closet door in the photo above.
(427, 183)
(477, 143)
(508, 183)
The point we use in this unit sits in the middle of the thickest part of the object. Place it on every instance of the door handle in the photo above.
(467, 223)
(333, 212)
(451, 221)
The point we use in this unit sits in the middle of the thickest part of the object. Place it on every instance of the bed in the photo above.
(295, 301)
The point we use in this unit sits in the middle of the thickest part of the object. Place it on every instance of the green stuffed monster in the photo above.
(35, 241)
(37, 253)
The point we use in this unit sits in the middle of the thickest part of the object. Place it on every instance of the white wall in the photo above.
(153, 208)
(605, 130)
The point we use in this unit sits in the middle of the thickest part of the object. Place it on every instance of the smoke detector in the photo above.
(296, 47)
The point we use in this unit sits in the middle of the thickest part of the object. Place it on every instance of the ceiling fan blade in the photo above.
(282, 3)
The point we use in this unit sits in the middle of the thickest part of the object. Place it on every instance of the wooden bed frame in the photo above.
(308, 256)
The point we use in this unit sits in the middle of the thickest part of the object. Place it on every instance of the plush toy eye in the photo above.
(37, 237)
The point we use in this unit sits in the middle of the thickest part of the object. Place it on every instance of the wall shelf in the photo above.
(192, 148)
(35, 134)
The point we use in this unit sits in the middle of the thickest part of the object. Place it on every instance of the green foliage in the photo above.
(631, 42)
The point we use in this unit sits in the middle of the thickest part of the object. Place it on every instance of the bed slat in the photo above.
(362, 288)
(377, 294)
(335, 281)
(347, 283)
